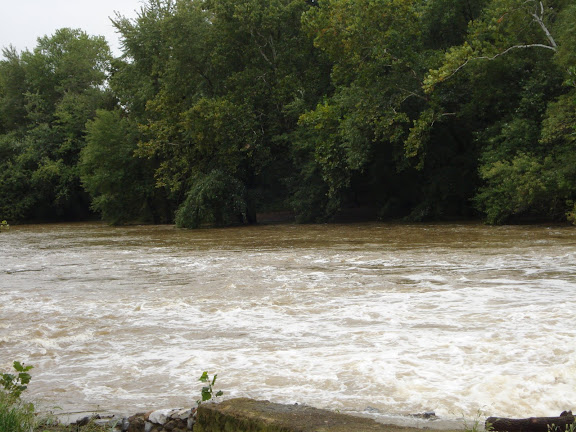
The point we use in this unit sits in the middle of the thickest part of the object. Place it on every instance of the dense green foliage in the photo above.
(219, 109)
(46, 96)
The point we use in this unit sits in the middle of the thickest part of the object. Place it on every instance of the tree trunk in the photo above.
(532, 424)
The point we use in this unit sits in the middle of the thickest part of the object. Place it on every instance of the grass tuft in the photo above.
(15, 415)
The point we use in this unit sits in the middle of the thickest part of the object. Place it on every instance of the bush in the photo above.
(15, 414)
(216, 199)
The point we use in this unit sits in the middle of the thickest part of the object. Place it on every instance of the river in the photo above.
(380, 319)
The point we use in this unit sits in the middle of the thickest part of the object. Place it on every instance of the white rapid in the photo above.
(384, 320)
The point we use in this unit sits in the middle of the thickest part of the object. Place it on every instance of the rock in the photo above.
(136, 423)
(83, 421)
(165, 420)
(160, 416)
(431, 415)
(182, 414)
(191, 419)
(109, 422)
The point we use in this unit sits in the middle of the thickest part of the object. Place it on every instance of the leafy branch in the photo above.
(459, 57)
(15, 384)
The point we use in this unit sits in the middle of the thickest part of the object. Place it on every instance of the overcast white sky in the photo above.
(23, 21)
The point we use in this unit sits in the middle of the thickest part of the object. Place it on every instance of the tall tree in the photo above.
(47, 96)
(222, 92)
(120, 185)
(363, 136)
(514, 60)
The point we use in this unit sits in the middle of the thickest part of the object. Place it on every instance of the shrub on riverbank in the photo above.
(15, 414)
(19, 415)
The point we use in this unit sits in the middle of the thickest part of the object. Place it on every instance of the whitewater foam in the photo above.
(402, 319)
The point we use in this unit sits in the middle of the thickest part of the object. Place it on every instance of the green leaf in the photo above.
(8, 377)
(204, 377)
(206, 393)
(214, 380)
(219, 393)
(24, 377)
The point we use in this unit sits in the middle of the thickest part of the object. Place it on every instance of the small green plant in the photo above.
(208, 390)
(476, 424)
(15, 384)
(16, 415)
(569, 428)
(4, 226)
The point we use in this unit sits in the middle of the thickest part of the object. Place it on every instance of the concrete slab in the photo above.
(248, 415)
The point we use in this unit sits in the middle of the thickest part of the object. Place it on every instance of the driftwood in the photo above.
(532, 424)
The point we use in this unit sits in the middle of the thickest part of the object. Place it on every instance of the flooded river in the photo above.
(381, 319)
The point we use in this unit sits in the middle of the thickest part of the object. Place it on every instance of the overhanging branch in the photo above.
(507, 50)
(539, 19)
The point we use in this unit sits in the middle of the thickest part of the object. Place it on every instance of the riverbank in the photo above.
(249, 415)
(242, 414)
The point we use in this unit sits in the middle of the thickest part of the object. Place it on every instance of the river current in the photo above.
(384, 320)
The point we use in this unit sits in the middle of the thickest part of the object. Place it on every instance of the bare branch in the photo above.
(540, 21)
(272, 47)
(539, 18)
(499, 55)
(260, 47)
(519, 47)
(411, 94)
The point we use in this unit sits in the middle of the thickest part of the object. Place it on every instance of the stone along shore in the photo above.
(245, 415)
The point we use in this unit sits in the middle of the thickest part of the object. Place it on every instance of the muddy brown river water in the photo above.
(380, 319)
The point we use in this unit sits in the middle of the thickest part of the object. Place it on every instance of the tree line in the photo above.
(220, 109)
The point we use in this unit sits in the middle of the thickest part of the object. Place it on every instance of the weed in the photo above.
(569, 428)
(15, 414)
(208, 390)
(477, 424)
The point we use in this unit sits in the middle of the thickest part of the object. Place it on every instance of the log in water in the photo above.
(378, 319)
(532, 424)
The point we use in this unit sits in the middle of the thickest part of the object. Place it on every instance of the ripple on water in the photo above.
(398, 318)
